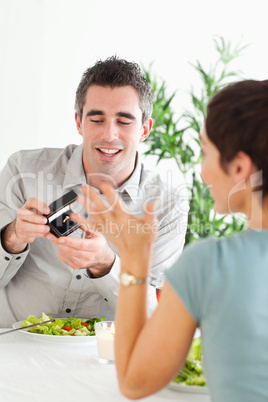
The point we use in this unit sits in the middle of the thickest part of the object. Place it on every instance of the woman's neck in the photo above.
(258, 214)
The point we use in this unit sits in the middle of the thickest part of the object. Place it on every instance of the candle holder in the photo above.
(105, 332)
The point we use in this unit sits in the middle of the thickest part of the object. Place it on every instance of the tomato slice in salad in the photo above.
(67, 328)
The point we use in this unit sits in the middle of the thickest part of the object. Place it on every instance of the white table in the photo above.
(33, 370)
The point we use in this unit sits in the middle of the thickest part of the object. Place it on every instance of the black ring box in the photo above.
(59, 217)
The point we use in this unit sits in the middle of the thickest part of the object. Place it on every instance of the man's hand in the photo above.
(29, 224)
(92, 252)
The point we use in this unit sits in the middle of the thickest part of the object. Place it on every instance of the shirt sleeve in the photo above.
(11, 198)
(10, 264)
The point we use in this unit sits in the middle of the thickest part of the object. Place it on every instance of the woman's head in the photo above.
(237, 120)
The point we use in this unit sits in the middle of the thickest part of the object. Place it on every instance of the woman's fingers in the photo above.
(85, 224)
(149, 213)
(94, 203)
(111, 216)
(112, 196)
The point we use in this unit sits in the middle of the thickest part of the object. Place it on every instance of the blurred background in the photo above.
(47, 44)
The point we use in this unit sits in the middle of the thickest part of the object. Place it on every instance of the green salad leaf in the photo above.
(192, 372)
(62, 326)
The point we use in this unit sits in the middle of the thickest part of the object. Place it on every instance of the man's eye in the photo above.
(95, 121)
(124, 123)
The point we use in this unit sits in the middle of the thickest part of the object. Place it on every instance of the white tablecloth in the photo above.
(33, 370)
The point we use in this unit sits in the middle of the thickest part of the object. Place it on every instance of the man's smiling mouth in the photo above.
(109, 152)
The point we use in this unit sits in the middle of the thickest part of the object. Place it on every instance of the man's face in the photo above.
(111, 128)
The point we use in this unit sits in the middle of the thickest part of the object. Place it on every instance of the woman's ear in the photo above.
(241, 170)
(241, 167)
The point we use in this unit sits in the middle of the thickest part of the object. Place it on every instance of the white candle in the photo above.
(105, 331)
(105, 343)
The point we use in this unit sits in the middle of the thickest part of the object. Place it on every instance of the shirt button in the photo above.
(105, 299)
(68, 310)
(18, 258)
(78, 276)
(7, 259)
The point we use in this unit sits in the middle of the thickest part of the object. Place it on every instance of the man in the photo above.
(78, 275)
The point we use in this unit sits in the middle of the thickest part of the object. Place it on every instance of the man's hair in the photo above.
(114, 72)
(237, 120)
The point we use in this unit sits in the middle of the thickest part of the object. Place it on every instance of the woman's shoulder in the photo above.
(223, 254)
(230, 242)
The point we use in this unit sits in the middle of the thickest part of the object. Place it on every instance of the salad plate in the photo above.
(192, 389)
(55, 338)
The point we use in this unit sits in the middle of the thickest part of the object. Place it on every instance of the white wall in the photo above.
(47, 44)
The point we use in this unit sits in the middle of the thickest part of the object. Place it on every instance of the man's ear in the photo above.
(78, 124)
(146, 128)
(242, 166)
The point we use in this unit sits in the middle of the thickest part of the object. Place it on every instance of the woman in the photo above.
(219, 285)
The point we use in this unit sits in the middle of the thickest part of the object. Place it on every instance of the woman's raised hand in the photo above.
(129, 234)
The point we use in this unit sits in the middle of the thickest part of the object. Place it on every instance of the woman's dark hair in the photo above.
(114, 72)
(237, 120)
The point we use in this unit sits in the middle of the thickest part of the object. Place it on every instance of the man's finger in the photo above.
(38, 205)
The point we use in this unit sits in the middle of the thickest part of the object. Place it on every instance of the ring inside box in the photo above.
(62, 225)
(59, 219)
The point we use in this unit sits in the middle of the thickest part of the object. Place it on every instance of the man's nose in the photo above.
(110, 131)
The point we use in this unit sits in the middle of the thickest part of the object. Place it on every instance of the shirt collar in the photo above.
(131, 186)
(75, 174)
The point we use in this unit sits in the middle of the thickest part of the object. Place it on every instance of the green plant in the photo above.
(177, 137)
(166, 139)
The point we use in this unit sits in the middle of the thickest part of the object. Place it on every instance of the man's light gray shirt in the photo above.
(36, 280)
